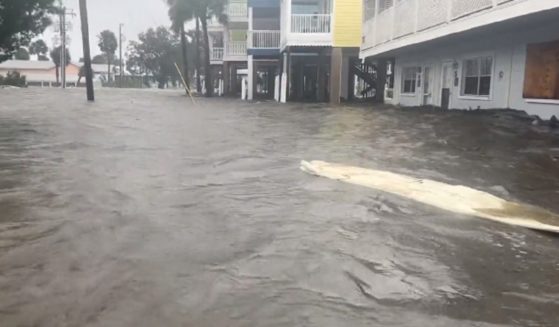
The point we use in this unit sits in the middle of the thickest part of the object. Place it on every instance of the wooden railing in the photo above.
(315, 23)
(237, 48)
(237, 9)
(264, 39)
(404, 17)
(216, 54)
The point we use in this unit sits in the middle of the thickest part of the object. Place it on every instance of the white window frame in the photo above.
(478, 57)
(417, 70)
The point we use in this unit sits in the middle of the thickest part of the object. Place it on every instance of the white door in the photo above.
(446, 85)
(426, 90)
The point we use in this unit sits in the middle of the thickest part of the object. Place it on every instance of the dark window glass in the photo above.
(471, 84)
(484, 85)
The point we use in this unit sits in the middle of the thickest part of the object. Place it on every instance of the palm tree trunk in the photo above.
(57, 74)
(109, 68)
(184, 56)
(198, 82)
(207, 67)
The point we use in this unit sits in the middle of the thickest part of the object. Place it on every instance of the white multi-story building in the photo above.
(228, 47)
(466, 53)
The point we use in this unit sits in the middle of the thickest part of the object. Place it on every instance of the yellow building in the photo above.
(347, 23)
(320, 41)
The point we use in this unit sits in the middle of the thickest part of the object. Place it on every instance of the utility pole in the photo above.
(86, 51)
(63, 50)
(120, 50)
(63, 26)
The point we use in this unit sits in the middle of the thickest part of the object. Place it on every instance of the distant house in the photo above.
(100, 71)
(40, 73)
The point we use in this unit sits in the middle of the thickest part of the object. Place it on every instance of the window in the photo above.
(476, 74)
(409, 79)
(541, 79)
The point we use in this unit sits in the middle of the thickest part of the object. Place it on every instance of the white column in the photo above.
(250, 77)
(283, 95)
(250, 28)
(250, 23)
(288, 18)
(225, 42)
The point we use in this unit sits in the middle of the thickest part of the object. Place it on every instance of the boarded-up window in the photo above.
(542, 71)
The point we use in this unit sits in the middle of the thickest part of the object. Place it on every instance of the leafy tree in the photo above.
(108, 45)
(39, 48)
(55, 56)
(13, 79)
(155, 54)
(22, 54)
(20, 22)
(102, 59)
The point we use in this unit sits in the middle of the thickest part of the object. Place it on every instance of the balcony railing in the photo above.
(264, 39)
(216, 54)
(237, 48)
(237, 9)
(400, 18)
(317, 23)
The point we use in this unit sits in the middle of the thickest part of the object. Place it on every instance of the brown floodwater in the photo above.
(143, 209)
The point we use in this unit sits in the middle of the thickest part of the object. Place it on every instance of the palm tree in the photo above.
(208, 9)
(55, 56)
(197, 38)
(108, 45)
(180, 12)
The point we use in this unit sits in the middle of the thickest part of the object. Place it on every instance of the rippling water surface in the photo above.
(144, 210)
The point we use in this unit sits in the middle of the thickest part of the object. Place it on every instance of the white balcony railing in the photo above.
(387, 20)
(237, 48)
(317, 23)
(216, 54)
(237, 9)
(264, 39)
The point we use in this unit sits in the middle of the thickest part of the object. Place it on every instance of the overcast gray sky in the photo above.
(136, 15)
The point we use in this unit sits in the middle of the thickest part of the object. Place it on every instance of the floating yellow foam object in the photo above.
(454, 198)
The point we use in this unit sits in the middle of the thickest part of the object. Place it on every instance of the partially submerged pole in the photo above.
(187, 89)
(86, 51)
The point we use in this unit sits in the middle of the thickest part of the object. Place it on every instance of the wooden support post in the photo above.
(336, 75)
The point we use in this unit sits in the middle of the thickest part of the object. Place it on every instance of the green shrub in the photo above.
(13, 79)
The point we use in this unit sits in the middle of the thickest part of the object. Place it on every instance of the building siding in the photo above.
(509, 60)
(348, 17)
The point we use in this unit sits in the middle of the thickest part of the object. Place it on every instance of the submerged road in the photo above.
(145, 210)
